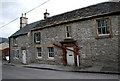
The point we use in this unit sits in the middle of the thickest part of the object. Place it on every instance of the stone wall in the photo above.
(48, 37)
(93, 51)
(100, 52)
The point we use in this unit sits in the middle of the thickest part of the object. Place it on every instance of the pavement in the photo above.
(94, 69)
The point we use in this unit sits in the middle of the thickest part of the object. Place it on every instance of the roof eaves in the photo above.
(18, 35)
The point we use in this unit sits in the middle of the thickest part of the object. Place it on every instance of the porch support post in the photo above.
(78, 64)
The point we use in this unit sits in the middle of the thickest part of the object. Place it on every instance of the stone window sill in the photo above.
(52, 60)
(39, 58)
(103, 36)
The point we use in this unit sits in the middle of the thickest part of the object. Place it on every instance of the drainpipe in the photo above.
(9, 52)
(78, 63)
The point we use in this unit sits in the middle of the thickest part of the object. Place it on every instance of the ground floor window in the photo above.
(50, 52)
(15, 53)
(39, 54)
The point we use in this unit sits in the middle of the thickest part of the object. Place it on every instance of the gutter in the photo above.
(19, 35)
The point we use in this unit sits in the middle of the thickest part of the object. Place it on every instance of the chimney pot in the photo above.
(46, 14)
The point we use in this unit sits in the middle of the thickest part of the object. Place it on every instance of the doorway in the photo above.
(70, 56)
(24, 61)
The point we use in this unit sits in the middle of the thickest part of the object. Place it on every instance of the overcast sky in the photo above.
(12, 9)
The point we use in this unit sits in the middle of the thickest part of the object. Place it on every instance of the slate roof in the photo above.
(25, 29)
(94, 10)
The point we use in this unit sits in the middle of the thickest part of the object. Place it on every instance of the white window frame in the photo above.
(68, 32)
(104, 26)
(38, 52)
(50, 51)
(36, 37)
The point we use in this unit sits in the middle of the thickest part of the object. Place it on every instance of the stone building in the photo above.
(84, 37)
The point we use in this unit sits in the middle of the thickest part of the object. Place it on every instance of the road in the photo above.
(13, 72)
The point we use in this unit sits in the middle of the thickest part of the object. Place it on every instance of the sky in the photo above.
(12, 9)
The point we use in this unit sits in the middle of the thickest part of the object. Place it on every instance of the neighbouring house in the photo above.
(83, 37)
(4, 48)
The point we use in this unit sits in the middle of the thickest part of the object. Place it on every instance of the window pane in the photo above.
(39, 54)
(106, 22)
(49, 49)
(103, 30)
(52, 50)
(102, 22)
(68, 35)
(67, 28)
(99, 31)
(51, 54)
(99, 24)
(68, 31)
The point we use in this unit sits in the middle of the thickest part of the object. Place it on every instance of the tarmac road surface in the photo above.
(13, 72)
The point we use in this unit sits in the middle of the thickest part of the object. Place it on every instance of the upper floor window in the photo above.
(37, 37)
(103, 27)
(39, 54)
(50, 52)
(15, 41)
(68, 32)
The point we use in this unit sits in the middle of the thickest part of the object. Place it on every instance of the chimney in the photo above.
(23, 20)
(46, 14)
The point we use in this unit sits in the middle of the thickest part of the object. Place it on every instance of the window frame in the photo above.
(37, 39)
(68, 31)
(16, 53)
(15, 41)
(38, 52)
(108, 25)
(51, 52)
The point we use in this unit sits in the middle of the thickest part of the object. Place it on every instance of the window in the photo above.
(37, 37)
(15, 53)
(50, 52)
(39, 54)
(15, 41)
(68, 32)
(103, 27)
